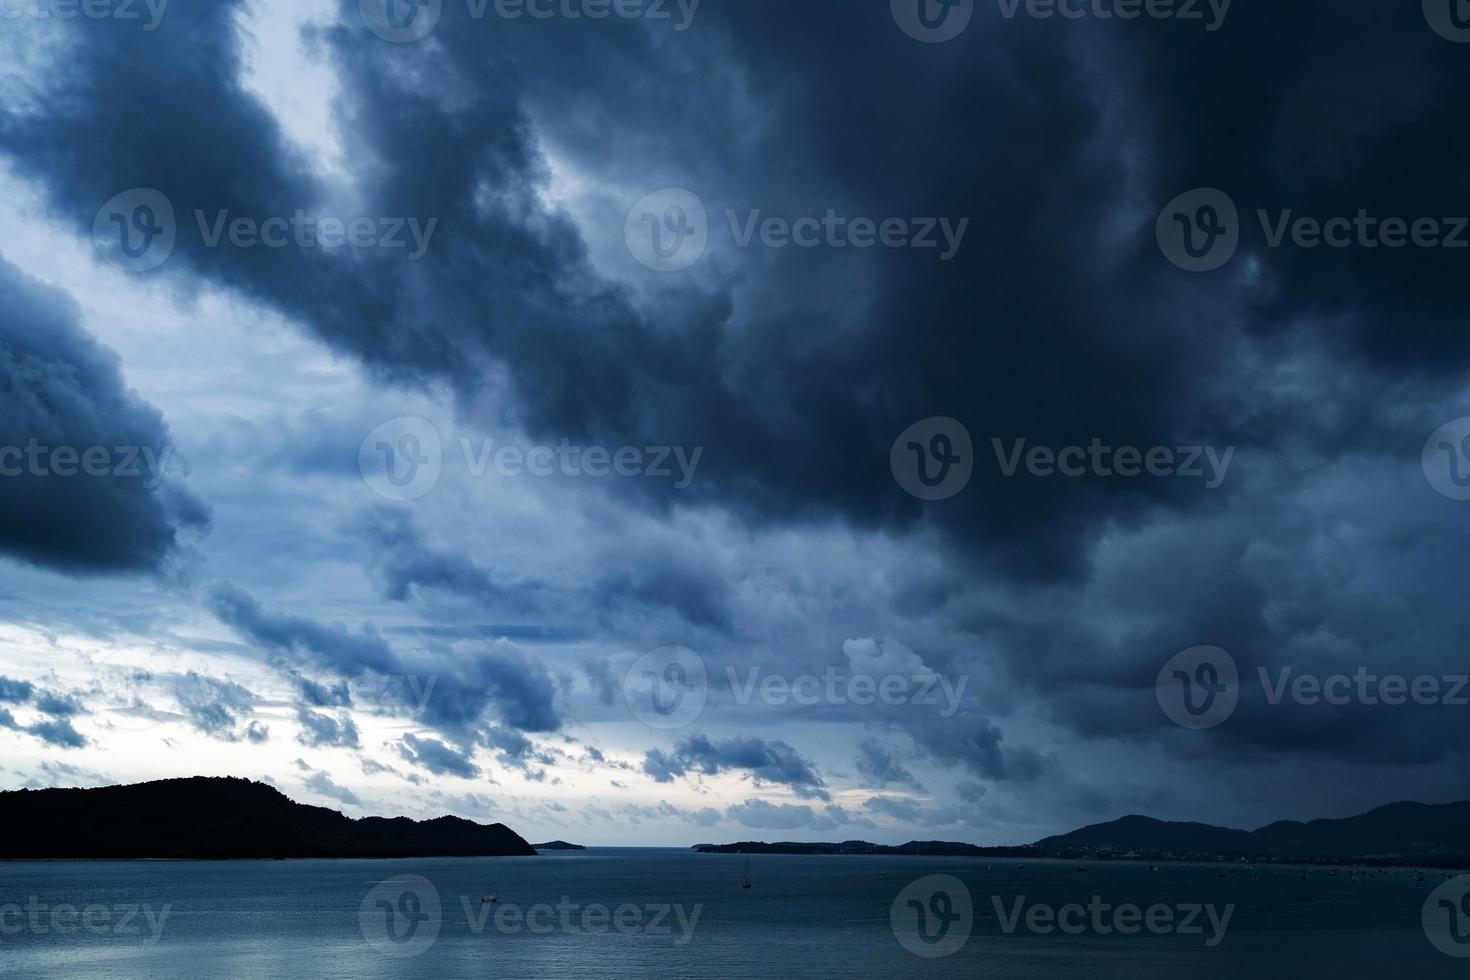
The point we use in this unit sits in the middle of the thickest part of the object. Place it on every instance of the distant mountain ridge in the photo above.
(1398, 833)
(1408, 831)
(913, 847)
(559, 845)
(224, 818)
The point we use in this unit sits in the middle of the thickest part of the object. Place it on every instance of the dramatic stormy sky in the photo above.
(532, 494)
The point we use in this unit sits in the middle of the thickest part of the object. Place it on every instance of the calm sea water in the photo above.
(679, 914)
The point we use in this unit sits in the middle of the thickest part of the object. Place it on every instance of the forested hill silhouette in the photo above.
(222, 818)
(1396, 834)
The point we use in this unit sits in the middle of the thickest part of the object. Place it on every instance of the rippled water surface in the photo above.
(635, 913)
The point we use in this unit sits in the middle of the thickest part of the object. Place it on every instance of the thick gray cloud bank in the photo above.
(1057, 320)
(86, 485)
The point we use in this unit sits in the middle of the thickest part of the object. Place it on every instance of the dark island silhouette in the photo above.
(559, 845)
(1399, 834)
(223, 818)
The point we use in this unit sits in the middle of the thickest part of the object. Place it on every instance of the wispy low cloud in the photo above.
(214, 707)
(56, 729)
(322, 785)
(335, 645)
(61, 774)
(449, 688)
(665, 813)
(763, 815)
(401, 562)
(765, 761)
(320, 729)
(58, 705)
(57, 732)
(913, 814)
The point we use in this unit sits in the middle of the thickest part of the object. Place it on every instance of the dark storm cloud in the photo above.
(669, 579)
(517, 751)
(764, 760)
(436, 757)
(1126, 353)
(324, 695)
(1059, 321)
(874, 763)
(62, 395)
(1243, 583)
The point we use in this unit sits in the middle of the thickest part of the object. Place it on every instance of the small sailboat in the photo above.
(745, 883)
